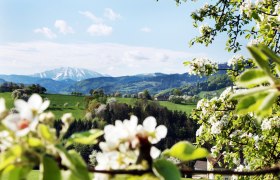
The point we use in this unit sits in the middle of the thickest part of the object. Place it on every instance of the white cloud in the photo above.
(100, 30)
(63, 27)
(112, 15)
(46, 32)
(91, 16)
(106, 58)
(146, 29)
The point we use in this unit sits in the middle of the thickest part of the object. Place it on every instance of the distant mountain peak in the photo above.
(150, 74)
(64, 73)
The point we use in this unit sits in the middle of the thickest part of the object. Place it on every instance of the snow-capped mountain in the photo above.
(63, 73)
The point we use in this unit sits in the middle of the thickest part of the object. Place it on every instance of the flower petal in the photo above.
(35, 101)
(11, 121)
(22, 132)
(20, 105)
(150, 124)
(161, 132)
(44, 106)
(133, 121)
(26, 114)
(154, 152)
(34, 124)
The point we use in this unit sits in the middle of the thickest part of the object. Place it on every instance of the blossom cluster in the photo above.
(270, 123)
(27, 118)
(205, 29)
(235, 60)
(124, 143)
(228, 131)
(202, 67)
(246, 7)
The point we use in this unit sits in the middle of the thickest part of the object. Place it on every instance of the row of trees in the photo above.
(33, 88)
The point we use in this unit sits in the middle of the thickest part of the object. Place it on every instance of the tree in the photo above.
(244, 130)
(257, 21)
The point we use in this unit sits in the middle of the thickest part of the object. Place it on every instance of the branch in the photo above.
(185, 171)
(273, 170)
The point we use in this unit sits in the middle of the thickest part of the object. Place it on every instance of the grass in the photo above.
(58, 101)
(57, 104)
(169, 105)
(178, 107)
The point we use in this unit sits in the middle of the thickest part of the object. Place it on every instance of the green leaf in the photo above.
(50, 169)
(166, 170)
(252, 77)
(261, 59)
(87, 137)
(260, 103)
(74, 162)
(268, 101)
(8, 157)
(45, 132)
(185, 151)
(245, 103)
(270, 54)
(250, 92)
(12, 172)
(80, 165)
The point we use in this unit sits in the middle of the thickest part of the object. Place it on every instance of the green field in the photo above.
(58, 107)
(171, 106)
(217, 92)
(57, 104)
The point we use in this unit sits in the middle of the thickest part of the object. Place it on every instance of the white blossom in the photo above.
(277, 9)
(67, 118)
(199, 131)
(266, 125)
(202, 66)
(217, 127)
(149, 129)
(19, 124)
(123, 141)
(240, 168)
(34, 105)
(6, 140)
(246, 7)
(254, 42)
(234, 60)
(204, 29)
(26, 119)
(47, 117)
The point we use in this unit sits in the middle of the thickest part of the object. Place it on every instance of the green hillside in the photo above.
(169, 105)
(57, 104)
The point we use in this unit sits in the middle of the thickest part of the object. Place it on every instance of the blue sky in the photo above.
(116, 37)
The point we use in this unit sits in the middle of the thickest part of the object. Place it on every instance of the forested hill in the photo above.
(154, 83)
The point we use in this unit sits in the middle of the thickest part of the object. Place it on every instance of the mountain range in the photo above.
(63, 73)
(67, 80)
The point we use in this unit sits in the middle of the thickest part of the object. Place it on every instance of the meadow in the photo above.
(61, 104)
(169, 105)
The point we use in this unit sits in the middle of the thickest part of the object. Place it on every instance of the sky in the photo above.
(115, 37)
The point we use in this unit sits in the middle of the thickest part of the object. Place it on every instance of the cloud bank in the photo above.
(106, 58)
